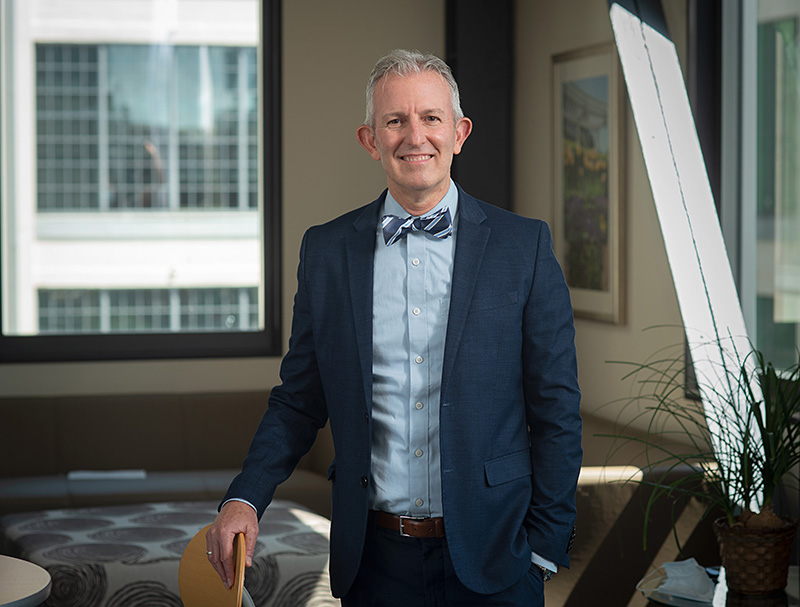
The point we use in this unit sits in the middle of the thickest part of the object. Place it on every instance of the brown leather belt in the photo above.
(410, 526)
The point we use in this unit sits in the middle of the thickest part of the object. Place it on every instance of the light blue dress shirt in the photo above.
(411, 302)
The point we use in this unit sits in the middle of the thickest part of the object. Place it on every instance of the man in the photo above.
(435, 332)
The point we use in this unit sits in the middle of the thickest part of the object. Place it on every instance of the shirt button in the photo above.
(419, 406)
(416, 311)
(415, 261)
(419, 502)
(418, 452)
(419, 360)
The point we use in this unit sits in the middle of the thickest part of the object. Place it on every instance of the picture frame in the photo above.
(588, 131)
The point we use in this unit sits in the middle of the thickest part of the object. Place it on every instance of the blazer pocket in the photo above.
(508, 467)
(494, 301)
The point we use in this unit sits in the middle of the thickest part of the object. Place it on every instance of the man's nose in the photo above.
(415, 134)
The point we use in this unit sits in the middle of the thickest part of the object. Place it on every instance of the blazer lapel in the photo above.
(470, 245)
(360, 247)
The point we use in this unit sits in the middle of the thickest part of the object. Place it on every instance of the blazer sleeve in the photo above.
(552, 400)
(296, 410)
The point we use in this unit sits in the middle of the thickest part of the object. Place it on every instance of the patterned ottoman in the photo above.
(128, 556)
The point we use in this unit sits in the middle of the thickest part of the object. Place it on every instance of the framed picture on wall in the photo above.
(588, 122)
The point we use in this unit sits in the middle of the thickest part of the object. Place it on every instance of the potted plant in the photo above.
(732, 456)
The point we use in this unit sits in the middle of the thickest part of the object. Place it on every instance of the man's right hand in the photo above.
(234, 517)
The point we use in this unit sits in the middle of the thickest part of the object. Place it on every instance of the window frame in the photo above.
(155, 346)
(738, 154)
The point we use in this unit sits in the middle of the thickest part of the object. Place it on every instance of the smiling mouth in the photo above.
(416, 158)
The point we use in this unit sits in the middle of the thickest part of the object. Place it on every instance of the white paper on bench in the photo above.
(90, 475)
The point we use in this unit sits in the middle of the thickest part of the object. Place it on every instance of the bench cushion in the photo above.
(129, 554)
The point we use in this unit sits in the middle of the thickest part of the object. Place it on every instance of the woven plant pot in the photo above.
(756, 562)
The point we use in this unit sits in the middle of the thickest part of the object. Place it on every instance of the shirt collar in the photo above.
(392, 207)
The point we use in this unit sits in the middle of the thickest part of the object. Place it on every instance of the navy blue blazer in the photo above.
(510, 426)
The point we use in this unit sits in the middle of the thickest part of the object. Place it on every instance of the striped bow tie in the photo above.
(439, 225)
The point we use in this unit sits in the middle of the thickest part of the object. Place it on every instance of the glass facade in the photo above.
(67, 126)
(113, 121)
(70, 311)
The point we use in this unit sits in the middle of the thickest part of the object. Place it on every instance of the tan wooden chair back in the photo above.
(200, 585)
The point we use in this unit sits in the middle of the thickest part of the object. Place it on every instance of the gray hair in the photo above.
(404, 63)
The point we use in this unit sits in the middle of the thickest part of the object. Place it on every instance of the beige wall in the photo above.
(545, 29)
(328, 51)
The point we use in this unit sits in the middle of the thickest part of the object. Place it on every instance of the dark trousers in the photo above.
(401, 571)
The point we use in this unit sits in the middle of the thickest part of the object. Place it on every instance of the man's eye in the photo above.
(432, 119)
(393, 122)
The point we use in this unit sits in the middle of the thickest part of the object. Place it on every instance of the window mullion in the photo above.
(103, 188)
(173, 152)
(244, 310)
(242, 133)
(105, 311)
(174, 310)
(738, 150)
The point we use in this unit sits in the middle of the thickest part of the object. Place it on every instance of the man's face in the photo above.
(415, 137)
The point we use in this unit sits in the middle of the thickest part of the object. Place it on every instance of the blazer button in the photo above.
(364, 482)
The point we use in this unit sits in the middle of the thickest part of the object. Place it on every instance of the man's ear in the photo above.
(463, 129)
(366, 137)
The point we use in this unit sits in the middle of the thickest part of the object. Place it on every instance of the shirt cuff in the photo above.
(542, 562)
(238, 499)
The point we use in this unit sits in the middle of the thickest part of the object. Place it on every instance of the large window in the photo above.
(747, 94)
(139, 179)
(778, 181)
(760, 154)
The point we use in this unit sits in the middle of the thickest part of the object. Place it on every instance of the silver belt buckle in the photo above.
(408, 518)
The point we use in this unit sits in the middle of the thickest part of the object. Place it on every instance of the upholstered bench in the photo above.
(128, 555)
(26, 493)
